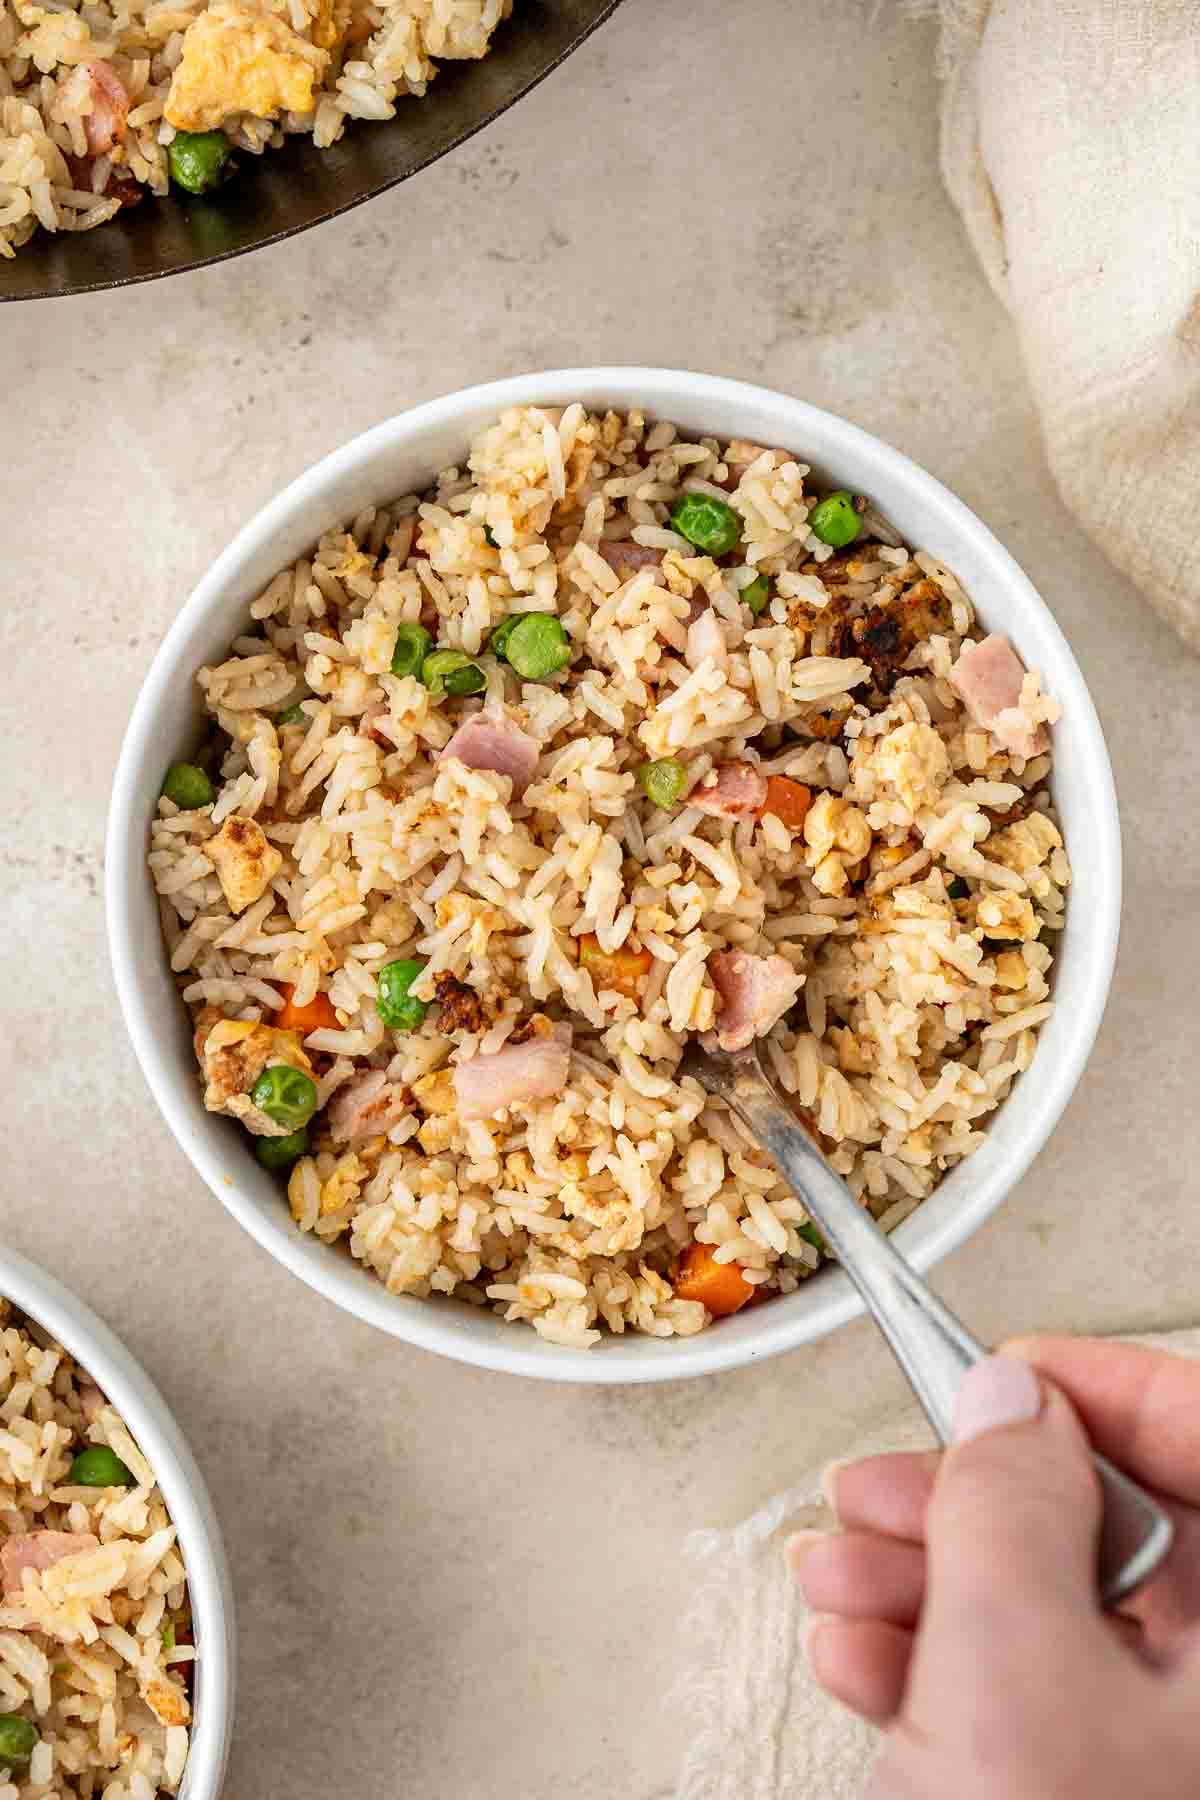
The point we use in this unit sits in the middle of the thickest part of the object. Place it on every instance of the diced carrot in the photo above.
(720, 1286)
(621, 970)
(788, 800)
(318, 1015)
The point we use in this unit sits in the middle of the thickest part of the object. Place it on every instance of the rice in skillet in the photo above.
(95, 1628)
(94, 93)
(849, 855)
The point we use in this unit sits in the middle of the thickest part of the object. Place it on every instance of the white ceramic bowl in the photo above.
(144, 1410)
(403, 454)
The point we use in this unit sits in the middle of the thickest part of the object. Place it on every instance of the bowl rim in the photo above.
(126, 1384)
(662, 390)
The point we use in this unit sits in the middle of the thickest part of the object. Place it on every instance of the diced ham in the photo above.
(705, 641)
(988, 676)
(104, 125)
(625, 558)
(492, 740)
(372, 717)
(740, 454)
(755, 993)
(739, 788)
(39, 1550)
(368, 1106)
(91, 1401)
(530, 1071)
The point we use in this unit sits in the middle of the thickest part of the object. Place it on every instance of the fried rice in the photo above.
(93, 92)
(95, 1627)
(906, 918)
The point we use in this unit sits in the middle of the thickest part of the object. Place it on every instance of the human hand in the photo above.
(958, 1608)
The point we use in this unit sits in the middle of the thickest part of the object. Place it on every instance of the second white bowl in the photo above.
(130, 1390)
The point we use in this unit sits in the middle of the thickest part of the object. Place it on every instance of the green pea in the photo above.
(167, 1635)
(285, 1094)
(461, 682)
(397, 1008)
(412, 646)
(295, 715)
(834, 520)
(710, 524)
(188, 786)
(498, 642)
(99, 1467)
(812, 1236)
(198, 160)
(18, 1737)
(756, 594)
(452, 672)
(663, 781)
(281, 1153)
(538, 646)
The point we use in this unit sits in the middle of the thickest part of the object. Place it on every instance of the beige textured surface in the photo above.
(468, 1586)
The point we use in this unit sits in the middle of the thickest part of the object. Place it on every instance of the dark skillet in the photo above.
(295, 187)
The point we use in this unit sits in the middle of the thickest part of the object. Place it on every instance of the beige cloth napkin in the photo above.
(762, 1730)
(1071, 146)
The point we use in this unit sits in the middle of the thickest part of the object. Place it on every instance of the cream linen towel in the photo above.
(1071, 146)
(762, 1730)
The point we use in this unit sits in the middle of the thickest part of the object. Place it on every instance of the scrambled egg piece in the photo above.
(238, 60)
(1026, 844)
(889, 856)
(234, 1054)
(168, 1702)
(837, 837)
(1007, 915)
(331, 22)
(352, 561)
(395, 922)
(484, 919)
(1011, 971)
(344, 1185)
(435, 1096)
(919, 903)
(245, 863)
(435, 1093)
(437, 1134)
(915, 761)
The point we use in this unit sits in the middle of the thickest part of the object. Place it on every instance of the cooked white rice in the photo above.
(93, 1650)
(918, 903)
(68, 161)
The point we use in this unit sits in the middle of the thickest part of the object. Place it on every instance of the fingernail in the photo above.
(829, 1481)
(809, 1635)
(799, 1544)
(1000, 1390)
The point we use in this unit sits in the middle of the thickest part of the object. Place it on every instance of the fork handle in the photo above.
(934, 1349)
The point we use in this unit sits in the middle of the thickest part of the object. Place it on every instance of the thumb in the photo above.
(1014, 1521)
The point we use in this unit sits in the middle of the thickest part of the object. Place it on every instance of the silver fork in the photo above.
(932, 1347)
